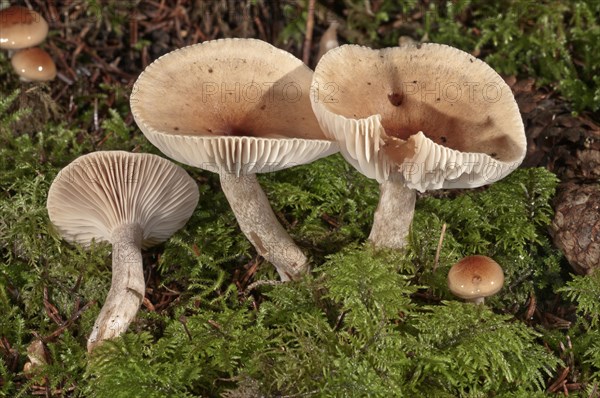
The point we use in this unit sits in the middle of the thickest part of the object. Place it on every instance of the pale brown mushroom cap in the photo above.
(475, 277)
(34, 64)
(102, 190)
(21, 27)
(430, 114)
(230, 105)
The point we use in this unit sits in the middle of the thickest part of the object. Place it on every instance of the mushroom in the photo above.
(235, 107)
(475, 277)
(37, 353)
(131, 200)
(417, 118)
(329, 40)
(21, 27)
(34, 64)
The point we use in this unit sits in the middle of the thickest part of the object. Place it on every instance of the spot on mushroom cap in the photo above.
(102, 190)
(433, 115)
(230, 105)
(475, 276)
(21, 27)
(34, 64)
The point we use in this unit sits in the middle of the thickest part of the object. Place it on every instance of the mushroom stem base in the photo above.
(393, 216)
(476, 300)
(260, 225)
(127, 287)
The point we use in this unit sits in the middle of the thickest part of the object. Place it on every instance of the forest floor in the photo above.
(199, 282)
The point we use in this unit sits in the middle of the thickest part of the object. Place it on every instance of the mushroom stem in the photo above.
(393, 215)
(260, 225)
(127, 287)
(476, 300)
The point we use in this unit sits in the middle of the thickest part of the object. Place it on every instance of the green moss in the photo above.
(357, 325)
(365, 322)
(585, 292)
(553, 41)
(470, 350)
(507, 222)
(327, 204)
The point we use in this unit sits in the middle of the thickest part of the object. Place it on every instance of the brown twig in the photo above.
(51, 309)
(310, 24)
(250, 272)
(262, 282)
(183, 320)
(52, 336)
(148, 304)
(560, 381)
(594, 391)
(439, 248)
(531, 307)
(261, 28)
(339, 320)
(9, 354)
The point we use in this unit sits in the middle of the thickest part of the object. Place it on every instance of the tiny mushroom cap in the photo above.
(475, 277)
(235, 107)
(21, 27)
(34, 64)
(131, 200)
(417, 118)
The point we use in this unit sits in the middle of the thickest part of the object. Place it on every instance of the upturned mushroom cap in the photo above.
(100, 191)
(21, 27)
(232, 105)
(431, 115)
(34, 64)
(475, 277)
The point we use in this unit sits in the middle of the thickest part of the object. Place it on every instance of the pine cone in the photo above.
(576, 226)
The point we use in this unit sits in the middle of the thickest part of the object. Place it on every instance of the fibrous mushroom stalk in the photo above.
(393, 216)
(127, 288)
(260, 225)
(476, 300)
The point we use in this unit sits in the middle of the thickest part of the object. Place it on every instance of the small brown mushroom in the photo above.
(417, 118)
(21, 27)
(236, 107)
(33, 64)
(131, 200)
(475, 277)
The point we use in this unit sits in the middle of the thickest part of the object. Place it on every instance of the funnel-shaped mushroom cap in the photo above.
(21, 27)
(475, 277)
(231, 105)
(34, 64)
(432, 115)
(103, 190)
